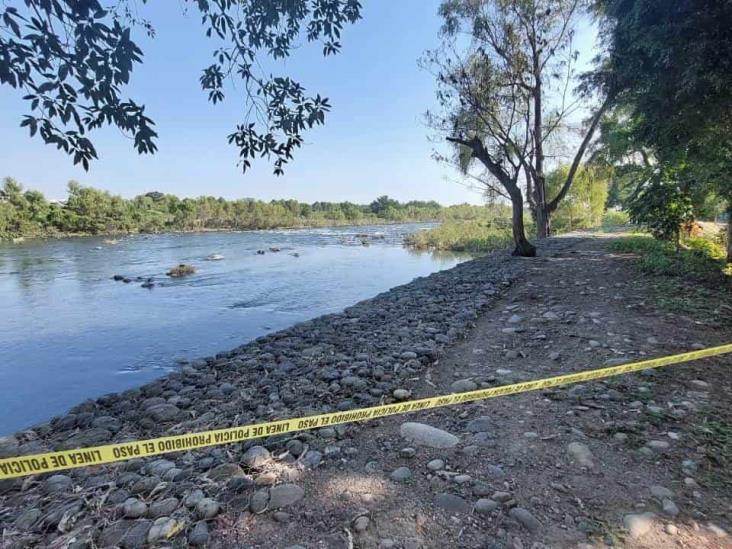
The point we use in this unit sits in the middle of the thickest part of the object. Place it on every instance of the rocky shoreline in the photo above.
(356, 358)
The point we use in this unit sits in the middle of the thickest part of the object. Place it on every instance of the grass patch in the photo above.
(698, 259)
(715, 437)
(462, 236)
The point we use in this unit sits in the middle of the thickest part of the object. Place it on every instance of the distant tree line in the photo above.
(90, 211)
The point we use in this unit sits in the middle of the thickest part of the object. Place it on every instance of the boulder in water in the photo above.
(181, 270)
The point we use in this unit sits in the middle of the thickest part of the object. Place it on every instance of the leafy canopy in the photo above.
(73, 59)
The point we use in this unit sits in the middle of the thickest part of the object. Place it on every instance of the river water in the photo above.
(68, 332)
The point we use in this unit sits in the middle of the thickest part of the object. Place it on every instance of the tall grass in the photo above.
(697, 259)
(462, 236)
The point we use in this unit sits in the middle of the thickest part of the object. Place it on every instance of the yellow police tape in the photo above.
(70, 459)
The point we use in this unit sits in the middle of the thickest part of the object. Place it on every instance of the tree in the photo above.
(671, 64)
(506, 95)
(584, 204)
(74, 86)
(382, 204)
(662, 206)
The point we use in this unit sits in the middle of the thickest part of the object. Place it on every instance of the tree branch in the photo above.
(551, 206)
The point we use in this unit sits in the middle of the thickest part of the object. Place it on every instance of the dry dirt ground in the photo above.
(641, 460)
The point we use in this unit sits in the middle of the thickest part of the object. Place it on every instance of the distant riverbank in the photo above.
(89, 211)
(120, 234)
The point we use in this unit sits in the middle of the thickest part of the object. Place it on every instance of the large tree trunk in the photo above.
(522, 247)
(543, 221)
(729, 230)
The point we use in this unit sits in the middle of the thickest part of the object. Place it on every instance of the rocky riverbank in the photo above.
(355, 358)
(632, 461)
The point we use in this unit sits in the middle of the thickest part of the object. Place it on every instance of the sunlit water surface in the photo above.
(69, 332)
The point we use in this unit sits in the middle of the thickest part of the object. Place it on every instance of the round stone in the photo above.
(401, 474)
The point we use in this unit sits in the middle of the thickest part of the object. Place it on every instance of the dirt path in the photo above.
(637, 461)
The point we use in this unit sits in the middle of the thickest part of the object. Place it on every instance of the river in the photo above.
(68, 332)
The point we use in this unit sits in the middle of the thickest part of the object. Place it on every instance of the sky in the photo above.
(374, 142)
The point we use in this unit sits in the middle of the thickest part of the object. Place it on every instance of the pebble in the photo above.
(259, 501)
(485, 505)
(225, 471)
(312, 459)
(134, 508)
(199, 535)
(463, 385)
(660, 492)
(284, 495)
(581, 454)
(670, 508)
(164, 528)
(452, 504)
(255, 457)
(192, 499)
(436, 465)
(361, 524)
(27, 519)
(511, 354)
(401, 394)
(716, 530)
(429, 436)
(658, 444)
(515, 319)
(57, 483)
(671, 530)
(408, 452)
(550, 315)
(481, 489)
(501, 497)
(163, 508)
(638, 525)
(526, 519)
(401, 474)
(295, 447)
(128, 534)
(207, 508)
(479, 425)
(554, 355)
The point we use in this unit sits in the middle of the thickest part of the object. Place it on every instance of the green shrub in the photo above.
(462, 236)
(615, 218)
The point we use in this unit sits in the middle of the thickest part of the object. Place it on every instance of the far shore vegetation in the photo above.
(90, 211)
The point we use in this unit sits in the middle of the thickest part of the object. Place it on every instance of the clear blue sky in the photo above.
(374, 141)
